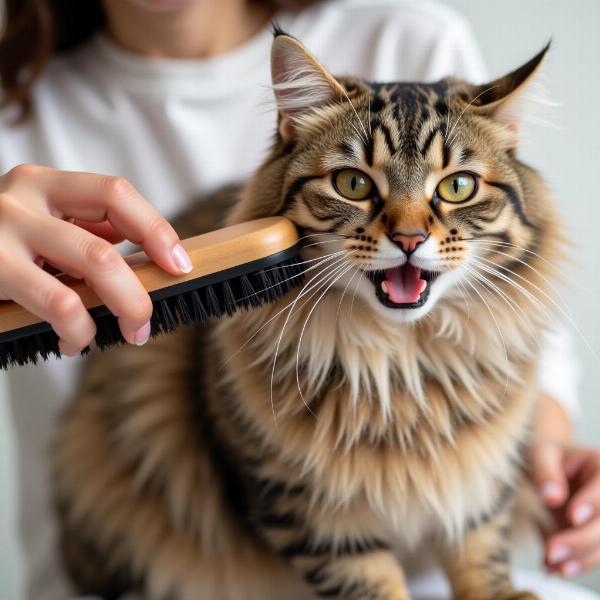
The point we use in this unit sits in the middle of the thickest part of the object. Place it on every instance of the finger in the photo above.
(576, 567)
(547, 473)
(104, 230)
(585, 502)
(43, 295)
(575, 461)
(95, 198)
(86, 256)
(572, 544)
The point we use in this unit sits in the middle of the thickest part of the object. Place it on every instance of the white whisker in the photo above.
(465, 108)
(354, 294)
(526, 264)
(321, 242)
(464, 293)
(333, 282)
(555, 304)
(270, 287)
(508, 244)
(337, 314)
(499, 333)
(356, 113)
(520, 314)
(535, 301)
(302, 292)
(336, 262)
(309, 260)
(358, 133)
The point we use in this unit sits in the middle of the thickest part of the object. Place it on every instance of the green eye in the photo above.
(457, 187)
(353, 184)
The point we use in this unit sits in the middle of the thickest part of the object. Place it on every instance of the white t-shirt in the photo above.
(178, 128)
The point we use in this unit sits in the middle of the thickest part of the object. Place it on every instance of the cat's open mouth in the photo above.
(402, 287)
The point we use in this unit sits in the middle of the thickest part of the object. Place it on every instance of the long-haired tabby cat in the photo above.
(301, 449)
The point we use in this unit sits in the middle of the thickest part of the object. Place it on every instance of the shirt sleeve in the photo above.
(559, 370)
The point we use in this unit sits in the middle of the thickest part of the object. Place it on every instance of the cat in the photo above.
(302, 449)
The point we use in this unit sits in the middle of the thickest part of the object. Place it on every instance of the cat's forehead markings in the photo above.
(440, 153)
(408, 94)
(347, 153)
(431, 140)
(384, 146)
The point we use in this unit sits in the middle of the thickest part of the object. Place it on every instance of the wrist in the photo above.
(551, 423)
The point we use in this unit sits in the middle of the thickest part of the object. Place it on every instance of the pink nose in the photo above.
(409, 240)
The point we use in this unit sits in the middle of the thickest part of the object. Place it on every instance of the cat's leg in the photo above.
(480, 568)
(361, 572)
(344, 569)
(89, 568)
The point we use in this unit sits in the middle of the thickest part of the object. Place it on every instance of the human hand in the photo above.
(568, 479)
(71, 220)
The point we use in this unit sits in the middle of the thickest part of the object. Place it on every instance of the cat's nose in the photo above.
(408, 240)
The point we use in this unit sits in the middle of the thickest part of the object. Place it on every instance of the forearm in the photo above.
(551, 422)
(551, 436)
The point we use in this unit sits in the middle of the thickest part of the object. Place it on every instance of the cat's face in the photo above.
(409, 192)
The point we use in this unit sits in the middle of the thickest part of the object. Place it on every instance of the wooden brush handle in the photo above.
(210, 253)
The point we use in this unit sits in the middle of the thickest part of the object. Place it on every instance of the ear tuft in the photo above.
(504, 99)
(502, 88)
(276, 29)
(300, 82)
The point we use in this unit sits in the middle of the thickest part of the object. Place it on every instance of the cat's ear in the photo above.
(505, 99)
(300, 82)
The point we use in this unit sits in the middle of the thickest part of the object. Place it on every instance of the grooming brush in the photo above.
(241, 266)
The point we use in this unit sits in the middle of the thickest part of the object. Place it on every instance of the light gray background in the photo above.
(509, 32)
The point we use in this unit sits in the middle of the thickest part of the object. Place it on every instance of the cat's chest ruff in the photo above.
(410, 470)
(416, 424)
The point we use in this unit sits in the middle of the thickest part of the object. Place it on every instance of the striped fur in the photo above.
(308, 448)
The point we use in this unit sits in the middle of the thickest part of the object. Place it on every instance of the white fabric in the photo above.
(433, 586)
(559, 372)
(177, 128)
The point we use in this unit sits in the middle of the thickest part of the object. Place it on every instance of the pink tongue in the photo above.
(404, 284)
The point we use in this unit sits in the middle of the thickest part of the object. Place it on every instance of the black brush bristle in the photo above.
(199, 313)
(174, 306)
(248, 291)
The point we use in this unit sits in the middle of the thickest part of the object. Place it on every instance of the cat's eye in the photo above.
(457, 187)
(353, 184)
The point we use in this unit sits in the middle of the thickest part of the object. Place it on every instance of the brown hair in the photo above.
(35, 30)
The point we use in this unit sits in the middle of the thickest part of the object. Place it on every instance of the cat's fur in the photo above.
(197, 468)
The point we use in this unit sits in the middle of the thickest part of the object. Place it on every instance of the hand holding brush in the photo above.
(105, 296)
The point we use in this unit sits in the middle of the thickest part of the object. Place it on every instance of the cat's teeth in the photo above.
(424, 286)
(384, 287)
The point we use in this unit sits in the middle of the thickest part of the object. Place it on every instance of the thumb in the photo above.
(548, 474)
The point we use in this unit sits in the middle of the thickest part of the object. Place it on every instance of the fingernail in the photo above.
(571, 569)
(550, 490)
(182, 259)
(558, 554)
(66, 348)
(142, 334)
(583, 514)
